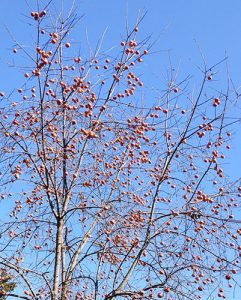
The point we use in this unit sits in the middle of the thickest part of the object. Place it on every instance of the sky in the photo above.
(179, 27)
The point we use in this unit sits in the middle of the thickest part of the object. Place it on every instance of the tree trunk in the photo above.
(57, 263)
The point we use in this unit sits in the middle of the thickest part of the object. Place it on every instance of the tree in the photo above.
(6, 286)
(115, 198)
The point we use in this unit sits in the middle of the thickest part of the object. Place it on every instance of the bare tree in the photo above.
(114, 197)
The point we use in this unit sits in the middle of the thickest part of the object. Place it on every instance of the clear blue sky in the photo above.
(214, 24)
(179, 25)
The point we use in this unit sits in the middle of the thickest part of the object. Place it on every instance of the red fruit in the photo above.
(42, 13)
(91, 134)
(210, 77)
(77, 60)
(112, 222)
(67, 45)
(228, 276)
(216, 102)
(35, 15)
